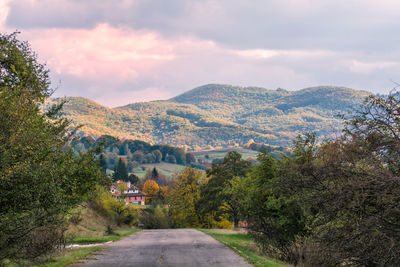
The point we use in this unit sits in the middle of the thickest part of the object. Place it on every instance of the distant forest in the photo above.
(133, 152)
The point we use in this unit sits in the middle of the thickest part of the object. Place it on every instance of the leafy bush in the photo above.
(154, 217)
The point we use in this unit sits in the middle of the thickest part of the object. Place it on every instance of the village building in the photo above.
(132, 195)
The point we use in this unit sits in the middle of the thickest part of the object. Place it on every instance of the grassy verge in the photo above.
(69, 256)
(101, 239)
(244, 246)
(57, 259)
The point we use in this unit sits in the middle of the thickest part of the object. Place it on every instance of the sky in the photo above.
(120, 52)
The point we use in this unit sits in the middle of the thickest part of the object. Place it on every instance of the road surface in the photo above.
(161, 248)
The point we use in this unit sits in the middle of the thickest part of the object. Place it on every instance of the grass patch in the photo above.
(69, 256)
(221, 153)
(101, 239)
(57, 259)
(164, 168)
(244, 246)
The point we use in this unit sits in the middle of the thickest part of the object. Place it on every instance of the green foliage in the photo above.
(336, 202)
(40, 179)
(103, 163)
(155, 217)
(217, 195)
(274, 217)
(120, 172)
(114, 208)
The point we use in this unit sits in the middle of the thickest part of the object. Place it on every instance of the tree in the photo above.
(180, 156)
(120, 171)
(170, 159)
(149, 158)
(138, 156)
(350, 198)
(154, 174)
(151, 189)
(190, 158)
(183, 198)
(133, 178)
(159, 178)
(212, 194)
(376, 125)
(157, 156)
(41, 179)
(103, 163)
(274, 217)
(131, 166)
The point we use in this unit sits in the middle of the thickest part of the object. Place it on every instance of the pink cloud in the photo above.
(4, 10)
(118, 53)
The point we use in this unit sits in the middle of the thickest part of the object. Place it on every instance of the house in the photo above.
(132, 195)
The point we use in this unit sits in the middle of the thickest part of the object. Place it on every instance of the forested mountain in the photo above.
(219, 115)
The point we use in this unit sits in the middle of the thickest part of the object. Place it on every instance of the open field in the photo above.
(241, 243)
(209, 155)
(164, 168)
(169, 169)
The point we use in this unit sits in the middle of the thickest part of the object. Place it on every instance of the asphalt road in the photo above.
(172, 247)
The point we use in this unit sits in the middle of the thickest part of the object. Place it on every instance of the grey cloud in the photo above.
(364, 31)
(343, 25)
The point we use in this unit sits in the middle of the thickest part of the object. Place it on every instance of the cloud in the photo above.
(107, 60)
(273, 24)
(4, 10)
(104, 51)
(370, 67)
(117, 52)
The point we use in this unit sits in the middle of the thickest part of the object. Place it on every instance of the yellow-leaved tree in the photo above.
(151, 189)
(183, 197)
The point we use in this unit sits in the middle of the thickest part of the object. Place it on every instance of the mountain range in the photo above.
(216, 115)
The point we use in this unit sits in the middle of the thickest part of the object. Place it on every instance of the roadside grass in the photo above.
(56, 259)
(92, 228)
(69, 256)
(244, 246)
(101, 239)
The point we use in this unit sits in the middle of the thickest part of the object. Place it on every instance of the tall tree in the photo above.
(183, 198)
(121, 172)
(40, 177)
(274, 217)
(151, 189)
(212, 194)
(103, 163)
(157, 156)
(190, 158)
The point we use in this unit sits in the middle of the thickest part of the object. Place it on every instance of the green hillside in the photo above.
(219, 116)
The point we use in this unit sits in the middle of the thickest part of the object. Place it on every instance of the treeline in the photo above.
(329, 203)
(133, 152)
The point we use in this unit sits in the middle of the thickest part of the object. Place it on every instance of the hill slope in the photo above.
(219, 115)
